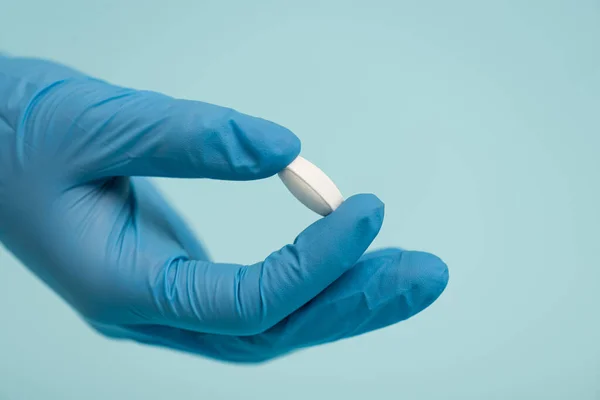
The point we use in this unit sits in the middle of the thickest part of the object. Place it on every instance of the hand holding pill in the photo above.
(77, 209)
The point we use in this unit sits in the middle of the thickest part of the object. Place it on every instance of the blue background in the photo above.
(477, 123)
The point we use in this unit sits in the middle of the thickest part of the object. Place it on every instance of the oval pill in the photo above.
(311, 186)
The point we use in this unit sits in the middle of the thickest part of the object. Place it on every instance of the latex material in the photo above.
(311, 186)
(76, 209)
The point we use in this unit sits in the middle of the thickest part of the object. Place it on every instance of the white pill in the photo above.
(311, 186)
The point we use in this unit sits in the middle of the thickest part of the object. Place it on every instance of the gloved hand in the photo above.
(76, 208)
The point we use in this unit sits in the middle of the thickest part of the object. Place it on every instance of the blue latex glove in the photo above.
(76, 208)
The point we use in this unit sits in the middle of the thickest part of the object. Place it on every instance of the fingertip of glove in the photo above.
(428, 272)
(402, 283)
(364, 204)
(355, 224)
(364, 208)
(281, 147)
(269, 146)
